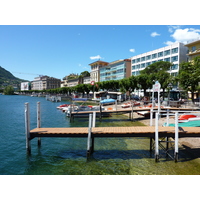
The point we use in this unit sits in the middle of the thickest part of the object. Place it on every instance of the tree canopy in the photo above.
(189, 75)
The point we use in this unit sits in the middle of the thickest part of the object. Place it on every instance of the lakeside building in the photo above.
(73, 82)
(64, 82)
(25, 86)
(86, 80)
(193, 49)
(175, 53)
(45, 82)
(95, 70)
(116, 70)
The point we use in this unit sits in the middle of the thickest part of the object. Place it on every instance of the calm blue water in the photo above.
(68, 155)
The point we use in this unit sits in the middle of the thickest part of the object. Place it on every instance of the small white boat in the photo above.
(129, 104)
(187, 118)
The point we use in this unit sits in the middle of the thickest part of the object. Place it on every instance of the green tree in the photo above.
(125, 85)
(189, 75)
(85, 73)
(9, 90)
(145, 82)
(158, 71)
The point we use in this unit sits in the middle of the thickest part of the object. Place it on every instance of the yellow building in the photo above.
(193, 49)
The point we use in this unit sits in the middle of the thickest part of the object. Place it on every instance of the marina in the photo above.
(92, 132)
(68, 155)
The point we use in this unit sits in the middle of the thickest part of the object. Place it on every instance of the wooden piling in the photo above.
(27, 128)
(156, 139)
(89, 136)
(38, 121)
(100, 109)
(176, 138)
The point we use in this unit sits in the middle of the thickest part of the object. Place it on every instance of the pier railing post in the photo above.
(27, 127)
(89, 136)
(176, 137)
(38, 121)
(93, 125)
(156, 139)
(167, 124)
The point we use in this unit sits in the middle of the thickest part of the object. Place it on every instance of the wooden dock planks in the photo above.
(136, 131)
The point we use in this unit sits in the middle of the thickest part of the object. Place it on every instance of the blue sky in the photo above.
(57, 51)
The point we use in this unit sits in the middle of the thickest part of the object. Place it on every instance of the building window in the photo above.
(138, 60)
(174, 58)
(175, 50)
(174, 74)
(154, 55)
(143, 65)
(167, 52)
(193, 48)
(148, 63)
(148, 57)
(160, 54)
(142, 59)
(174, 67)
(133, 67)
(138, 66)
(133, 61)
(167, 59)
(160, 60)
(133, 73)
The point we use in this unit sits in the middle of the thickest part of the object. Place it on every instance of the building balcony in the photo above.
(196, 52)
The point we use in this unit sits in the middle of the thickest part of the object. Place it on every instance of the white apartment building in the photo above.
(175, 53)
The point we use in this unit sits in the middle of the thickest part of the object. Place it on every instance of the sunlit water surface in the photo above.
(67, 156)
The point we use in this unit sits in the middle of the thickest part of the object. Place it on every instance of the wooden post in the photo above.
(132, 110)
(156, 139)
(27, 127)
(38, 121)
(93, 125)
(94, 119)
(100, 112)
(89, 136)
(151, 116)
(176, 137)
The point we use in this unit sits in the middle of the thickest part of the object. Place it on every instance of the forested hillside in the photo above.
(7, 78)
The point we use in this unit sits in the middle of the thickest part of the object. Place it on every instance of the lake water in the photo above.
(67, 156)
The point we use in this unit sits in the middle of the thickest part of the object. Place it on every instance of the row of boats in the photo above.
(68, 108)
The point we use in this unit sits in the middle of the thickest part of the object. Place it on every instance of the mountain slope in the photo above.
(7, 78)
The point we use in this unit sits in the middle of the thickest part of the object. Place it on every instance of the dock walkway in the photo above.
(91, 132)
(135, 131)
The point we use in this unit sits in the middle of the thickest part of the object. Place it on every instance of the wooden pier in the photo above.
(91, 132)
(125, 111)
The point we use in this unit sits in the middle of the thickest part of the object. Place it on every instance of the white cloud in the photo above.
(132, 50)
(185, 35)
(154, 34)
(95, 57)
(173, 28)
(168, 43)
